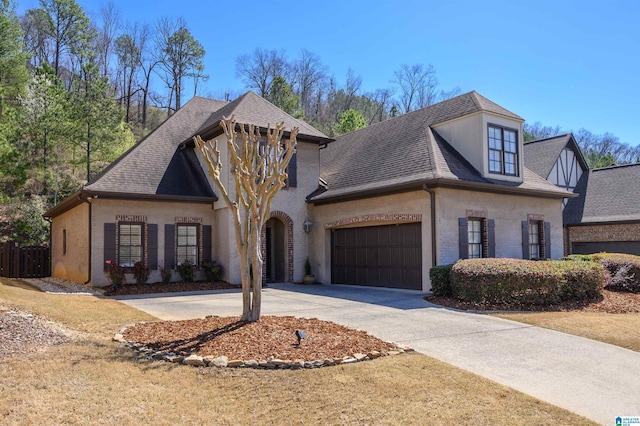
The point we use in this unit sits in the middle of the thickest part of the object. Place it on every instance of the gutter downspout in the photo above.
(87, 200)
(434, 245)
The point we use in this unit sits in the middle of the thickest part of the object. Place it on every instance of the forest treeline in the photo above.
(76, 93)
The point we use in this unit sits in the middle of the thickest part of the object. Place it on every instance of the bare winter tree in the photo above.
(258, 69)
(309, 78)
(259, 171)
(417, 86)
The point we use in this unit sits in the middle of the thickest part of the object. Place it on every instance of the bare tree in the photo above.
(309, 78)
(417, 86)
(259, 171)
(129, 58)
(110, 21)
(258, 69)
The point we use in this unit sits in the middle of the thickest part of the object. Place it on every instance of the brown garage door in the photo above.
(379, 256)
(630, 247)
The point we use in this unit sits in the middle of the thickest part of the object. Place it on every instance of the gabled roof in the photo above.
(406, 151)
(541, 155)
(251, 108)
(157, 165)
(609, 194)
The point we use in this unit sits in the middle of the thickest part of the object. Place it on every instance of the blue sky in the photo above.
(568, 63)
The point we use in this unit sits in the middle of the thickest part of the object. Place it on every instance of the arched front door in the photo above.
(276, 251)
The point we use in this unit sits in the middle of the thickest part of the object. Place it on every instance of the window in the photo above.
(130, 244)
(503, 151)
(64, 241)
(534, 240)
(187, 244)
(475, 231)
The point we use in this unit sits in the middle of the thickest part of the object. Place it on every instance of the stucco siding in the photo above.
(160, 213)
(508, 212)
(74, 264)
(398, 208)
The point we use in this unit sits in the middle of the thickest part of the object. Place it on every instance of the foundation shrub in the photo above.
(187, 271)
(525, 282)
(140, 272)
(441, 280)
(623, 269)
(212, 270)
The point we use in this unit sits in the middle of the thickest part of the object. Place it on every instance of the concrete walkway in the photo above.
(593, 379)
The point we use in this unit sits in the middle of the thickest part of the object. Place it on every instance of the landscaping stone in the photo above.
(221, 361)
(194, 360)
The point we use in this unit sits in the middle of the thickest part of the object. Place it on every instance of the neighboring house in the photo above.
(605, 216)
(379, 206)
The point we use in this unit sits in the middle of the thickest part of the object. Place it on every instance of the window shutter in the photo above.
(463, 238)
(169, 247)
(547, 240)
(109, 243)
(206, 243)
(292, 172)
(152, 246)
(491, 235)
(525, 239)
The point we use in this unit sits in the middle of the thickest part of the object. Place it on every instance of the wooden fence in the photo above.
(24, 262)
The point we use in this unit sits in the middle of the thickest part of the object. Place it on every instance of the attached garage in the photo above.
(378, 256)
(630, 247)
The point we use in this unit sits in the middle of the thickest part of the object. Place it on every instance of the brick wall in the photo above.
(596, 233)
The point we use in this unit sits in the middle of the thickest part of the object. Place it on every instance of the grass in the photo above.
(617, 329)
(95, 381)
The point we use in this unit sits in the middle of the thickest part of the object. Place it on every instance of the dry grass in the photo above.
(617, 329)
(95, 381)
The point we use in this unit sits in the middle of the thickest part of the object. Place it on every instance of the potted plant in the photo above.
(309, 278)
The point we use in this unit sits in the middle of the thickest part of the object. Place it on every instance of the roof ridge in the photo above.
(616, 166)
(550, 137)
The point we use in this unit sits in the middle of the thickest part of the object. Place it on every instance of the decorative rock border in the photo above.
(271, 363)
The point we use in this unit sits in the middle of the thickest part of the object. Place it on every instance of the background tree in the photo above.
(417, 85)
(13, 70)
(258, 70)
(180, 57)
(258, 169)
(349, 121)
(281, 95)
(310, 78)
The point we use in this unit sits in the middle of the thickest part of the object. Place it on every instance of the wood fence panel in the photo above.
(24, 262)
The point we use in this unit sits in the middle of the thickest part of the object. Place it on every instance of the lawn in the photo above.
(617, 329)
(95, 381)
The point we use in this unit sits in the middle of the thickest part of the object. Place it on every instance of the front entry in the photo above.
(275, 250)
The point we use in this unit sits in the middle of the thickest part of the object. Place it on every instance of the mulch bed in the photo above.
(612, 302)
(272, 336)
(133, 289)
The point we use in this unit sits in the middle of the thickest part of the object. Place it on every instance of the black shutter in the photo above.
(525, 239)
(491, 236)
(292, 172)
(463, 238)
(109, 244)
(547, 240)
(206, 243)
(169, 247)
(152, 246)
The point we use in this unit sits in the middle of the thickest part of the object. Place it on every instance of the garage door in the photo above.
(379, 256)
(631, 247)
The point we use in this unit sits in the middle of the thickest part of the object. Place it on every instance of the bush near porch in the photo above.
(520, 282)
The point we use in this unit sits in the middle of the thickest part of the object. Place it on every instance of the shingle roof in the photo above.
(405, 150)
(609, 194)
(541, 155)
(155, 166)
(251, 108)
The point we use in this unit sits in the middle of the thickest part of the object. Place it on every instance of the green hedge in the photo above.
(441, 280)
(623, 269)
(525, 282)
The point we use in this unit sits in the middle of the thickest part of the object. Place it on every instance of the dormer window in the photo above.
(503, 150)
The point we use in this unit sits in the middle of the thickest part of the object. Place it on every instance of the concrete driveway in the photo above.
(593, 379)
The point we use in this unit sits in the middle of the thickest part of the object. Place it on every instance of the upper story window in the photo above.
(503, 150)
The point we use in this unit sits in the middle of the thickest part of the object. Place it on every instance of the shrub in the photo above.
(578, 257)
(307, 266)
(165, 274)
(187, 271)
(140, 272)
(115, 273)
(441, 280)
(212, 271)
(623, 269)
(525, 282)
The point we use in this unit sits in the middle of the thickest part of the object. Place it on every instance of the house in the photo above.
(376, 207)
(605, 216)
